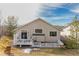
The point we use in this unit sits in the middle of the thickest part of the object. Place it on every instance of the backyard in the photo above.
(49, 52)
(44, 52)
(5, 41)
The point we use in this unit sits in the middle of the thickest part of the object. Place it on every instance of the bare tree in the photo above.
(1, 26)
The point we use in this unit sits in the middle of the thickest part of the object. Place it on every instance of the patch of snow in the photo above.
(60, 43)
(27, 50)
(36, 48)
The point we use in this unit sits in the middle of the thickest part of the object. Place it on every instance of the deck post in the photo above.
(20, 45)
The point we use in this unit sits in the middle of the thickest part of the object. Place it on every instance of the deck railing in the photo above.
(23, 41)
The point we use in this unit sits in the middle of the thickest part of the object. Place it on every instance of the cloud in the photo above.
(59, 13)
(53, 4)
(59, 18)
(49, 10)
(76, 9)
(25, 11)
(73, 7)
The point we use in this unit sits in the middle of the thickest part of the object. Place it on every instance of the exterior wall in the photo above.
(66, 31)
(38, 24)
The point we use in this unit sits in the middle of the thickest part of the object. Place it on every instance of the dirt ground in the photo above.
(48, 52)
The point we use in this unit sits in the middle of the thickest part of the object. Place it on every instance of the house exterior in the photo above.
(67, 31)
(37, 33)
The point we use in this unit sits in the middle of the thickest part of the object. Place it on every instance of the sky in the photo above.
(25, 12)
(60, 14)
(54, 13)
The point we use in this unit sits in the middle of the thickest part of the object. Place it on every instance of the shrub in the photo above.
(71, 43)
(4, 42)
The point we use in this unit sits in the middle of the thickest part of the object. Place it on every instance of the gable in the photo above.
(40, 23)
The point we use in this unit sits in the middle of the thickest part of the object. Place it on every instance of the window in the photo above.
(24, 35)
(38, 30)
(53, 33)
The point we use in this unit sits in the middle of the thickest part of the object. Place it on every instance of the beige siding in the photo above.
(38, 24)
(30, 29)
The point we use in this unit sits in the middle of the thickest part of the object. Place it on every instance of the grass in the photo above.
(6, 41)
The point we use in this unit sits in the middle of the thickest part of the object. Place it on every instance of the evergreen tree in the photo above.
(11, 24)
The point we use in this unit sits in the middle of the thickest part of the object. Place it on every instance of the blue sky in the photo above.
(59, 14)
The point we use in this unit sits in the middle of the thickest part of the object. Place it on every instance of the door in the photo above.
(23, 35)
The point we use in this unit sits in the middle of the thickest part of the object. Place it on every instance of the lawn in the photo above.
(5, 41)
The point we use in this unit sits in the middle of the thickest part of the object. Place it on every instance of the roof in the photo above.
(56, 27)
(59, 27)
(69, 24)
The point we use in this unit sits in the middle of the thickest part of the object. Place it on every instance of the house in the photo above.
(37, 33)
(67, 30)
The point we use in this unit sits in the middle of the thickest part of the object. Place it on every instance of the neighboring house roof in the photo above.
(56, 27)
(69, 24)
(60, 27)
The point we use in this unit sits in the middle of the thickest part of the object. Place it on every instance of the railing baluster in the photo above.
(23, 41)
